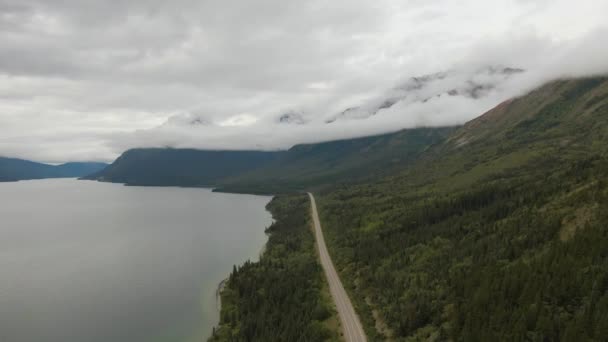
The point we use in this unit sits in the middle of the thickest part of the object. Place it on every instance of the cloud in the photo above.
(86, 79)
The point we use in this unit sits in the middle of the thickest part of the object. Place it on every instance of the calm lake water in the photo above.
(83, 261)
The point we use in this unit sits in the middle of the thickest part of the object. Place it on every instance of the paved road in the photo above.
(353, 330)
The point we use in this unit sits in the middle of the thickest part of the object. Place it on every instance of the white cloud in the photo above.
(86, 79)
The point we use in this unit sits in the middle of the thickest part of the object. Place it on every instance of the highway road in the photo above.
(353, 330)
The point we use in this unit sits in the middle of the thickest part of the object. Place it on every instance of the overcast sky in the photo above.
(87, 79)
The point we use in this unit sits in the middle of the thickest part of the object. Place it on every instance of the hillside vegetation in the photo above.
(340, 161)
(284, 296)
(180, 167)
(493, 231)
(270, 172)
(497, 234)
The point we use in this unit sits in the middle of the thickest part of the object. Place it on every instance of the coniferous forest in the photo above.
(496, 234)
(499, 236)
(512, 260)
(392, 170)
(283, 296)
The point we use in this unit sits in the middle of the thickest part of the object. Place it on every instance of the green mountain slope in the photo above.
(494, 231)
(499, 233)
(12, 169)
(181, 167)
(283, 296)
(340, 161)
(253, 171)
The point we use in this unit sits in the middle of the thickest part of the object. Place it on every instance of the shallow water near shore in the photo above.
(90, 261)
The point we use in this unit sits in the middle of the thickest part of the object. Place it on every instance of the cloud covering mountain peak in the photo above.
(85, 80)
(473, 84)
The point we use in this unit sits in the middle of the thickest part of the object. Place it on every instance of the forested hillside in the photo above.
(497, 234)
(12, 169)
(284, 296)
(494, 231)
(339, 161)
(282, 171)
(181, 167)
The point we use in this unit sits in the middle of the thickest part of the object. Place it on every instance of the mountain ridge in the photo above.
(180, 167)
(15, 169)
(258, 171)
(474, 85)
(495, 234)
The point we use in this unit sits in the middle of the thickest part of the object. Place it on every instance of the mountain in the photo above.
(251, 171)
(470, 84)
(291, 118)
(494, 230)
(496, 234)
(410, 98)
(181, 167)
(340, 161)
(12, 169)
(77, 169)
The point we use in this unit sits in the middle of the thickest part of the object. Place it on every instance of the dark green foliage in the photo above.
(274, 172)
(12, 169)
(181, 167)
(498, 234)
(340, 161)
(280, 297)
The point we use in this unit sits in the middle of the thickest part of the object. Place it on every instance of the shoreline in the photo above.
(222, 284)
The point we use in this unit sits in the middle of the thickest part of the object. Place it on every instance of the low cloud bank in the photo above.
(86, 80)
(451, 97)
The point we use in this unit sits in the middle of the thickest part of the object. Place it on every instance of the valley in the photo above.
(303, 171)
(491, 230)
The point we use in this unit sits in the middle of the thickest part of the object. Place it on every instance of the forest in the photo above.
(498, 233)
(273, 172)
(512, 260)
(499, 239)
(284, 296)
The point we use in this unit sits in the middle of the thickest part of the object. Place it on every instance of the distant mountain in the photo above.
(13, 169)
(339, 161)
(181, 167)
(254, 171)
(496, 234)
(464, 83)
(473, 84)
(291, 117)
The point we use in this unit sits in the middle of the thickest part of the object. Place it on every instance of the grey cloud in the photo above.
(86, 79)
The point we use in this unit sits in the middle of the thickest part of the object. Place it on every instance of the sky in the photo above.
(84, 80)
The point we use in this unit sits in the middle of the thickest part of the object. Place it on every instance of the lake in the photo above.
(97, 262)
